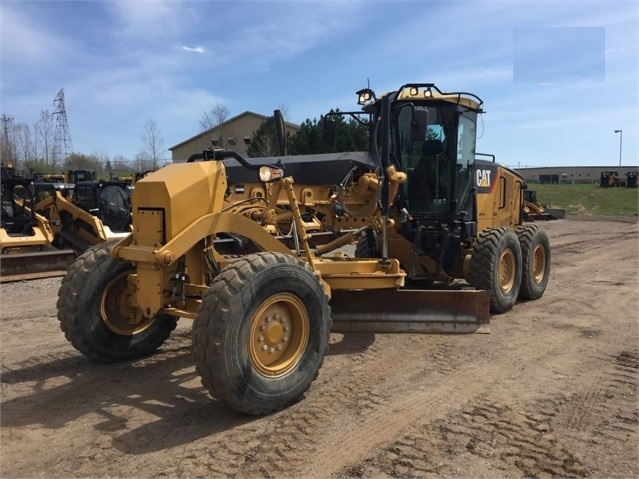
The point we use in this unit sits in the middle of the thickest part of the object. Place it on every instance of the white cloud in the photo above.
(196, 49)
(141, 18)
(283, 30)
(23, 39)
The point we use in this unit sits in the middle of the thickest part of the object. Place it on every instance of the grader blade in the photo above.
(411, 311)
(43, 264)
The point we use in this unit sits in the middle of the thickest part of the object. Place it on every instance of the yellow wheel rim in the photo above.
(538, 263)
(116, 311)
(279, 334)
(507, 267)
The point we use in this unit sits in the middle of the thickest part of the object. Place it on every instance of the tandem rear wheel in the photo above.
(496, 266)
(535, 254)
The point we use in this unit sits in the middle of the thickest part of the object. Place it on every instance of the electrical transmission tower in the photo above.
(62, 137)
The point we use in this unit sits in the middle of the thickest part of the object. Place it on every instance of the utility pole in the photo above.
(620, 142)
(7, 147)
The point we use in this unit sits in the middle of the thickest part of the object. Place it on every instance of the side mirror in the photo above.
(328, 132)
(419, 125)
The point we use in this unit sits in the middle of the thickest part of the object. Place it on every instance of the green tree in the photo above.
(350, 135)
(264, 140)
(308, 139)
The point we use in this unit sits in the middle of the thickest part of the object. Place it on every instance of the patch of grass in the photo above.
(589, 199)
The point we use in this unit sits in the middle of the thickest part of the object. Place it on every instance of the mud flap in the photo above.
(45, 264)
(411, 311)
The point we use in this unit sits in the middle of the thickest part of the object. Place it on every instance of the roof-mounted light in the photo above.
(270, 173)
(365, 95)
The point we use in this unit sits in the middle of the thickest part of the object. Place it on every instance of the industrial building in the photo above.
(571, 174)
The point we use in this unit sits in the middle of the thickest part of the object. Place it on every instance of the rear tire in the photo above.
(496, 266)
(261, 332)
(93, 310)
(535, 255)
(368, 245)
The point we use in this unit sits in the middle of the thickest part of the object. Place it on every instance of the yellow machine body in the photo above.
(268, 255)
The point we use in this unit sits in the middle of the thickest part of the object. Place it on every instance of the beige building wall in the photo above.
(234, 134)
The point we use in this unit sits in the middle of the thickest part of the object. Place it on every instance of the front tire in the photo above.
(261, 332)
(535, 255)
(496, 266)
(94, 310)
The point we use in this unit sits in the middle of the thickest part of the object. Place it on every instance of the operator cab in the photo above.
(17, 217)
(440, 162)
(108, 200)
(432, 139)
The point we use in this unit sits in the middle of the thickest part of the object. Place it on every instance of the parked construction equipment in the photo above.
(26, 237)
(253, 250)
(98, 213)
(534, 210)
(43, 228)
(610, 178)
(70, 177)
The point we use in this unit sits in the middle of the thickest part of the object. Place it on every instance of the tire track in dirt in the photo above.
(540, 366)
(347, 392)
(343, 396)
(584, 416)
(394, 417)
(519, 440)
(527, 440)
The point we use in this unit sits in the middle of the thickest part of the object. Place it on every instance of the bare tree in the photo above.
(26, 143)
(152, 151)
(120, 163)
(214, 120)
(284, 109)
(45, 129)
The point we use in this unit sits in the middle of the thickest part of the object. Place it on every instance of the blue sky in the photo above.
(557, 77)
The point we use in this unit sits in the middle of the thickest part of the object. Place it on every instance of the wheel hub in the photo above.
(539, 263)
(116, 311)
(507, 271)
(279, 334)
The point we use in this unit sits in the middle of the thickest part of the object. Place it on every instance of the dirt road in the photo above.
(551, 391)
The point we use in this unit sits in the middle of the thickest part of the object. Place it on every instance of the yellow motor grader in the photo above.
(256, 250)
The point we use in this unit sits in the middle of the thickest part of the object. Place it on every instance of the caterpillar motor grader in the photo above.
(253, 251)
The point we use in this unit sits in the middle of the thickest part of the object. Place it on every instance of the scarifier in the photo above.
(254, 250)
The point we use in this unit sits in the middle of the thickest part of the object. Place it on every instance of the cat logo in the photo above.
(483, 178)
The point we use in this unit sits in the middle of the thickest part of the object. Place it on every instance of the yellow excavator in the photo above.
(418, 233)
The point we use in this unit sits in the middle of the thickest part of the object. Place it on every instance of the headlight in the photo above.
(270, 173)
